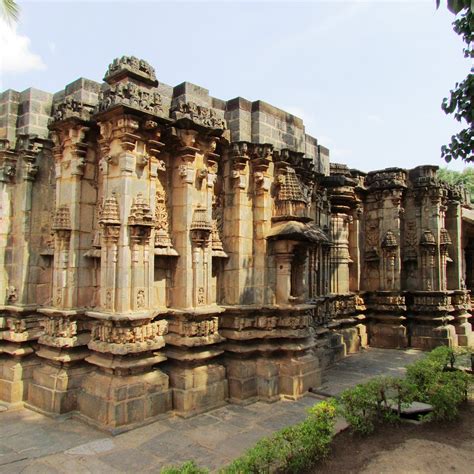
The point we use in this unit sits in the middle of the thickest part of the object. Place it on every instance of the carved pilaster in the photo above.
(29, 148)
(186, 154)
(239, 164)
(109, 222)
(8, 160)
(261, 160)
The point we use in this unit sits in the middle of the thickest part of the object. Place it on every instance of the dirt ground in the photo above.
(434, 448)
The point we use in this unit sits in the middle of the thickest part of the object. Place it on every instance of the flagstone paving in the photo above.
(34, 443)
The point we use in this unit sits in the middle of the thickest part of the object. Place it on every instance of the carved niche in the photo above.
(218, 225)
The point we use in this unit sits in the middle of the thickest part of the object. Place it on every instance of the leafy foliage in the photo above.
(10, 10)
(463, 178)
(455, 6)
(438, 384)
(377, 401)
(461, 100)
(292, 449)
(433, 380)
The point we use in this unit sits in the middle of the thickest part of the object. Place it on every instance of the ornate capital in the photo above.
(7, 162)
(29, 148)
(261, 159)
(240, 157)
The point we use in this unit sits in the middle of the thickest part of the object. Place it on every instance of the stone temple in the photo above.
(162, 250)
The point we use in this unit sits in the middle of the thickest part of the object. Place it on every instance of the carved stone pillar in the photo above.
(340, 258)
(347, 333)
(8, 171)
(454, 229)
(262, 168)
(238, 215)
(430, 314)
(127, 389)
(19, 322)
(193, 342)
(383, 215)
(63, 346)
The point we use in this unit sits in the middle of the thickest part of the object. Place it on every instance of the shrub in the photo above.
(446, 393)
(379, 400)
(189, 467)
(438, 383)
(291, 449)
(310, 440)
(266, 455)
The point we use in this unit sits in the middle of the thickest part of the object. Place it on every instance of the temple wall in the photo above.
(162, 249)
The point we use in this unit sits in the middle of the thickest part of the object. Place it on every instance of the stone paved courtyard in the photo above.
(33, 443)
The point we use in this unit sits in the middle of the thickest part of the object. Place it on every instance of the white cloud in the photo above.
(15, 53)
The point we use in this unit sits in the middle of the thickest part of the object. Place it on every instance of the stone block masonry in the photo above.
(164, 250)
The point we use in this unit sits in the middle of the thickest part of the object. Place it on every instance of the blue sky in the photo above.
(367, 78)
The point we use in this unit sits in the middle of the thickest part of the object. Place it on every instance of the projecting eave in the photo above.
(298, 231)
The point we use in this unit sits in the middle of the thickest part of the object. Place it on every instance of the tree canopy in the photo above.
(464, 178)
(455, 6)
(460, 103)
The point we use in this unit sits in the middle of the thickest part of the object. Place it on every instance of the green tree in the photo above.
(455, 6)
(464, 178)
(10, 10)
(460, 103)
